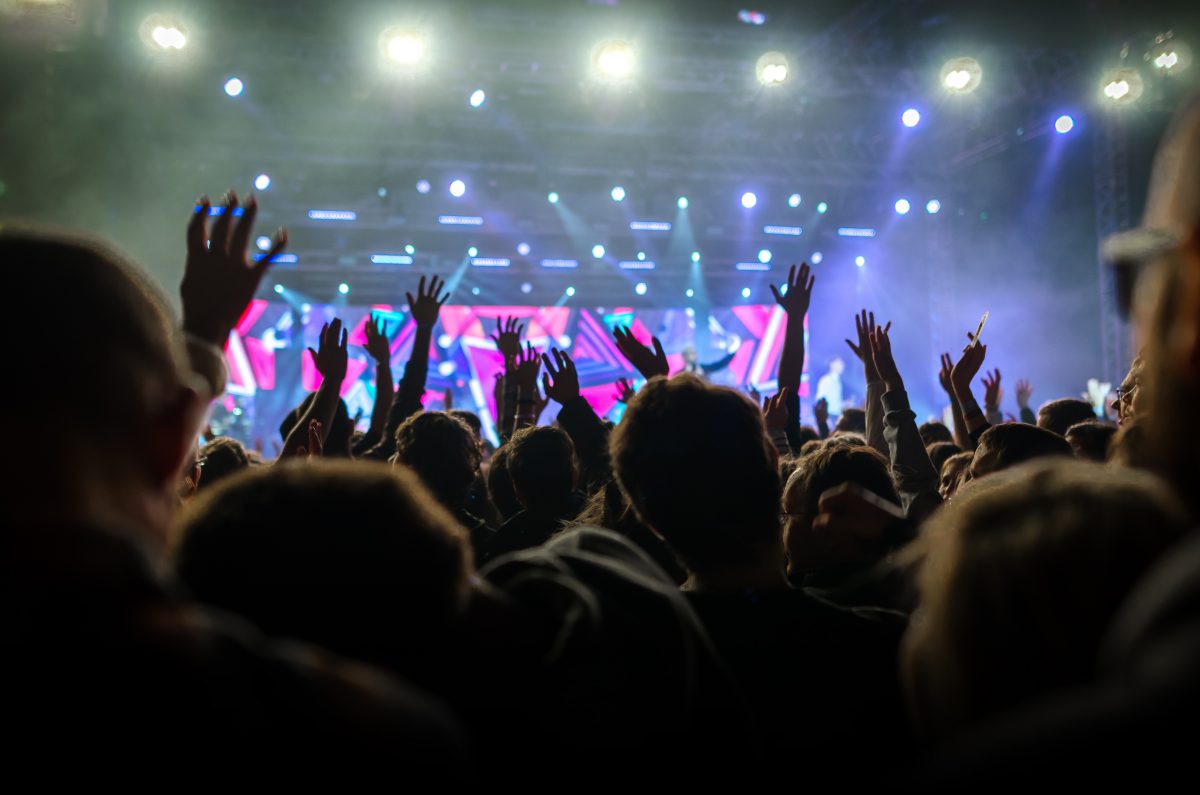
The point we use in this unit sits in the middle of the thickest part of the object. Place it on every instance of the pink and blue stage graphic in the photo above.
(270, 370)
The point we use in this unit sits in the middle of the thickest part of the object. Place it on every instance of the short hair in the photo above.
(443, 451)
(697, 466)
(1020, 583)
(953, 470)
(1012, 443)
(940, 452)
(1091, 438)
(470, 418)
(852, 421)
(833, 465)
(934, 431)
(219, 458)
(354, 556)
(1058, 415)
(541, 463)
(500, 485)
(341, 429)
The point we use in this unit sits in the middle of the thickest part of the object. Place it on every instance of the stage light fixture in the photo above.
(933, 206)
(961, 75)
(570, 291)
(262, 182)
(1169, 55)
(764, 256)
(478, 97)
(474, 291)
(749, 200)
(344, 288)
(745, 292)
(860, 261)
(910, 117)
(749, 17)
(695, 256)
(640, 288)
(382, 192)
(458, 188)
(305, 308)
(472, 252)
(263, 242)
(1122, 86)
(614, 60)
(423, 186)
(404, 47)
(682, 203)
(641, 255)
(903, 206)
(690, 293)
(598, 251)
(410, 249)
(523, 249)
(279, 289)
(234, 87)
(445, 341)
(164, 33)
(822, 208)
(618, 194)
(526, 288)
(1064, 124)
(552, 197)
(771, 68)
(794, 200)
(446, 368)
(817, 257)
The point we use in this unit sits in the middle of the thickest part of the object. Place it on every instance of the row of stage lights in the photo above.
(616, 61)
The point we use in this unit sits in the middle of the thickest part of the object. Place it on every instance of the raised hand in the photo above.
(1024, 392)
(864, 324)
(796, 298)
(561, 381)
(967, 367)
(377, 340)
(625, 390)
(992, 393)
(331, 356)
(508, 337)
(944, 374)
(218, 280)
(775, 410)
(425, 306)
(648, 363)
(885, 363)
(526, 371)
(821, 411)
(1097, 394)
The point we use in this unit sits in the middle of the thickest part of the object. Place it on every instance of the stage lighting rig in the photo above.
(402, 46)
(614, 60)
(163, 32)
(771, 68)
(1122, 86)
(961, 75)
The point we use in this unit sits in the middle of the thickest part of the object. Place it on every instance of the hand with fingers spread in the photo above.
(377, 343)
(965, 370)
(330, 357)
(864, 324)
(799, 285)
(625, 390)
(1024, 392)
(218, 279)
(648, 363)
(424, 308)
(775, 411)
(526, 372)
(561, 381)
(885, 363)
(944, 375)
(992, 394)
(508, 337)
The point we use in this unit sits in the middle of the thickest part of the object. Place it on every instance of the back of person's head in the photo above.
(830, 466)
(1058, 415)
(443, 451)
(699, 469)
(471, 419)
(500, 485)
(220, 458)
(1020, 580)
(1090, 439)
(1003, 446)
(541, 463)
(354, 556)
(952, 472)
(1129, 446)
(940, 452)
(806, 434)
(341, 430)
(852, 421)
(932, 432)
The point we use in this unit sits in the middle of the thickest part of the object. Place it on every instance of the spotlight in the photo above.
(783, 289)
(745, 292)
(262, 182)
(279, 289)
(234, 87)
(682, 203)
(1122, 86)
(305, 308)
(764, 256)
(1064, 124)
(523, 249)
(570, 291)
(794, 200)
(614, 60)
(446, 368)
(164, 33)
(618, 194)
(690, 293)
(598, 251)
(382, 192)
(526, 288)
(641, 255)
(961, 75)
(903, 206)
(404, 47)
(344, 288)
(423, 186)
(749, 200)
(552, 197)
(933, 206)
(474, 291)
(640, 288)
(472, 252)
(911, 117)
(458, 188)
(695, 256)
(410, 249)
(478, 97)
(749, 17)
(822, 208)
(771, 68)
(860, 261)
(263, 243)
(817, 257)
(1169, 55)
(445, 341)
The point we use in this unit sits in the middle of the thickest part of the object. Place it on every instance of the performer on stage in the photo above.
(691, 362)
(830, 387)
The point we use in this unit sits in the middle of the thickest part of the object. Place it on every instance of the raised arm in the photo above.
(379, 347)
(775, 417)
(526, 373)
(587, 431)
(1024, 392)
(961, 437)
(508, 342)
(331, 359)
(960, 378)
(650, 363)
(864, 324)
(794, 298)
(992, 395)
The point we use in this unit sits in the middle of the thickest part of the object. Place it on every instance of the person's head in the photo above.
(851, 421)
(932, 432)
(471, 419)
(940, 452)
(443, 451)
(837, 366)
(500, 486)
(1125, 407)
(953, 470)
(1128, 446)
(806, 434)
(1019, 582)
(698, 467)
(114, 456)
(815, 474)
(689, 354)
(541, 464)
(1058, 415)
(1004, 446)
(353, 556)
(341, 429)
(220, 458)
(1090, 439)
